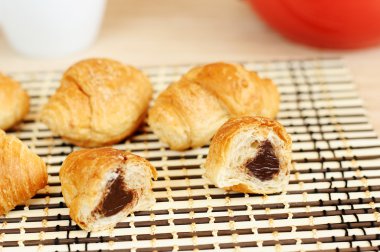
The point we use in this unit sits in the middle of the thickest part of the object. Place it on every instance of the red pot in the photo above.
(324, 23)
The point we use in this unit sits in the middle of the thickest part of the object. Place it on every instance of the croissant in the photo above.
(14, 102)
(189, 111)
(99, 102)
(102, 186)
(22, 173)
(250, 155)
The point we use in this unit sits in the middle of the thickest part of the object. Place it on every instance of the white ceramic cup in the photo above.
(50, 28)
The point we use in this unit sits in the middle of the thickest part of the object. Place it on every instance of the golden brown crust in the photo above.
(99, 102)
(22, 173)
(183, 109)
(235, 125)
(271, 102)
(14, 102)
(244, 188)
(83, 176)
(190, 111)
(222, 148)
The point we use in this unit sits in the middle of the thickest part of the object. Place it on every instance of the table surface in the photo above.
(163, 32)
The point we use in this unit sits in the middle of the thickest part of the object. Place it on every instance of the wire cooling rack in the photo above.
(332, 202)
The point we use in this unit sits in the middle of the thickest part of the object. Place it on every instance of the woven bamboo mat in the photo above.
(332, 202)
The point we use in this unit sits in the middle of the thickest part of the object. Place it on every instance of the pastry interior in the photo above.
(259, 161)
(116, 196)
(265, 165)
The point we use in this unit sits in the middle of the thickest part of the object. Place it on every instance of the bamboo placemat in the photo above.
(332, 202)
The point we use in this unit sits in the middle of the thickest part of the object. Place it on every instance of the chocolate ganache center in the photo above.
(265, 164)
(116, 197)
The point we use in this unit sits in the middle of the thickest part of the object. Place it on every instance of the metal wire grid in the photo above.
(332, 202)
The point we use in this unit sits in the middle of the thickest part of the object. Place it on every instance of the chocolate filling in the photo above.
(116, 197)
(265, 165)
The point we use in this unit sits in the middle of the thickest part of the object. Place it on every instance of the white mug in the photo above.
(50, 28)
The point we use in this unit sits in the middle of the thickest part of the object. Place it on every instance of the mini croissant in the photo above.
(250, 155)
(22, 173)
(14, 102)
(99, 102)
(102, 186)
(189, 111)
